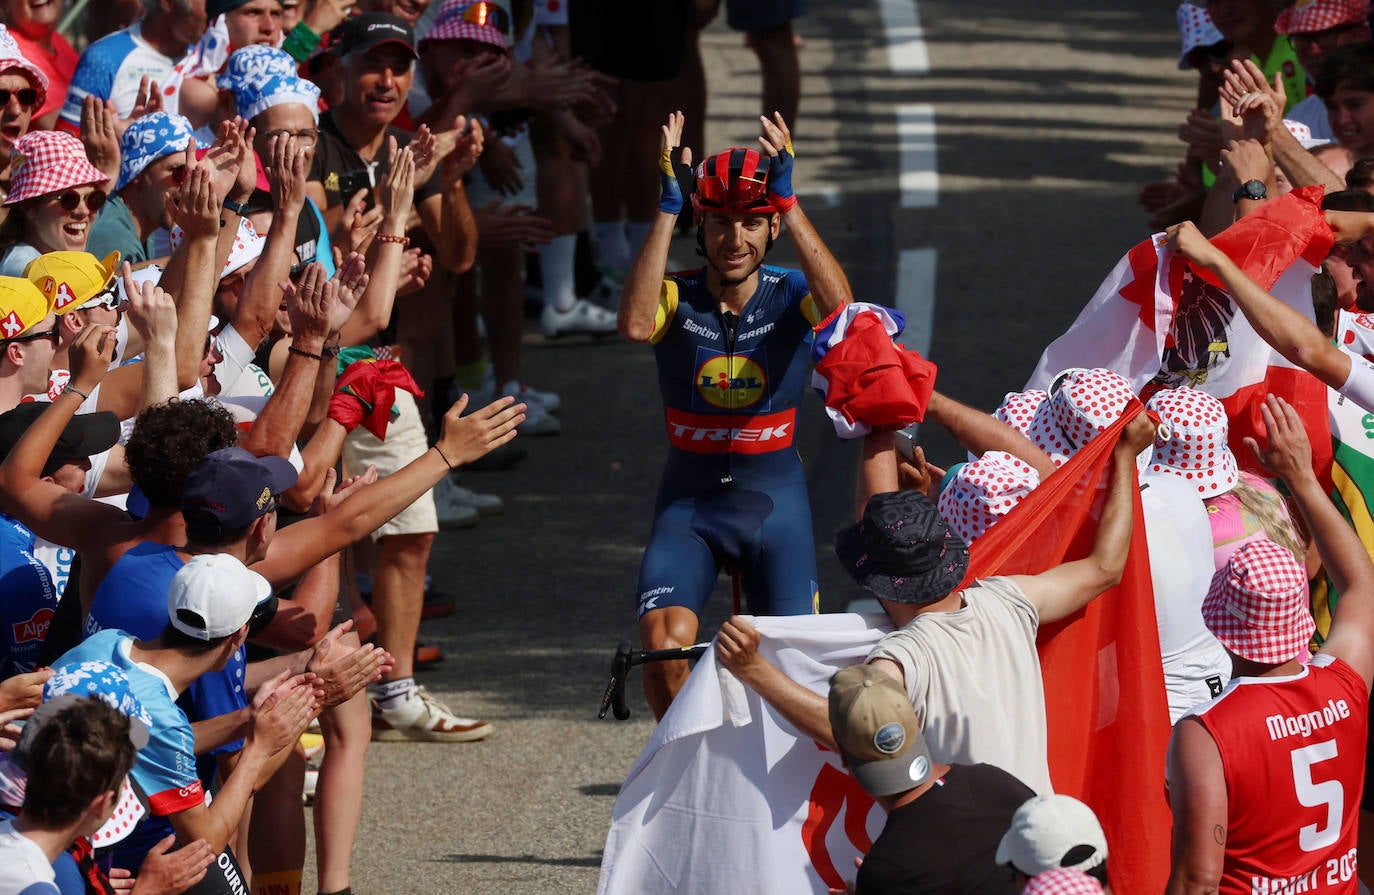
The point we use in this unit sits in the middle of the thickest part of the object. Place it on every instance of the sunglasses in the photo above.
(34, 337)
(27, 96)
(488, 14)
(71, 199)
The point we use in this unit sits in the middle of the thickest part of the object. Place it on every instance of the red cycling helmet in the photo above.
(734, 182)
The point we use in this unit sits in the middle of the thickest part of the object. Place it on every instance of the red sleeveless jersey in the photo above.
(1293, 752)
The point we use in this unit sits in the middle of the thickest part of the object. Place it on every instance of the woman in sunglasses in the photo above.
(23, 91)
(56, 193)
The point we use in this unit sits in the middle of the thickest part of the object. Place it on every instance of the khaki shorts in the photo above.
(405, 441)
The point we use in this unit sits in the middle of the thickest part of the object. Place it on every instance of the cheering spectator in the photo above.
(25, 89)
(28, 339)
(58, 194)
(970, 805)
(124, 68)
(153, 163)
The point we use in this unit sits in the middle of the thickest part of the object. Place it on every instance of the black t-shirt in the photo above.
(343, 172)
(945, 842)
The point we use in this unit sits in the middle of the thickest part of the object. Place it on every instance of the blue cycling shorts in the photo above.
(765, 535)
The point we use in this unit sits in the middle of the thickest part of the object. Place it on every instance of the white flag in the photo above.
(728, 797)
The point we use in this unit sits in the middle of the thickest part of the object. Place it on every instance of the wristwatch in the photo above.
(1250, 189)
(239, 207)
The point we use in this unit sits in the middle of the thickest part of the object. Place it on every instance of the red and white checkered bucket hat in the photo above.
(1258, 604)
(1062, 881)
(985, 490)
(44, 162)
(1084, 405)
(450, 25)
(1195, 450)
(1307, 16)
(1018, 408)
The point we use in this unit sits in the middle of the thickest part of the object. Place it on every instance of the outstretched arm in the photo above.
(49, 509)
(829, 285)
(1290, 457)
(1290, 333)
(979, 433)
(737, 648)
(464, 439)
(639, 301)
(1065, 589)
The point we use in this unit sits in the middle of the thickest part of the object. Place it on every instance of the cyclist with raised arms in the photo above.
(731, 341)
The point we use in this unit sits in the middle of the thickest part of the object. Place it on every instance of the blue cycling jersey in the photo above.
(731, 388)
(733, 491)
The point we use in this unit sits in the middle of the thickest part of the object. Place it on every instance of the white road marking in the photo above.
(918, 178)
(916, 296)
(906, 46)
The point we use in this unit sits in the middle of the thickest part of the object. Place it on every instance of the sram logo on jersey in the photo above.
(32, 629)
(718, 433)
(1281, 726)
(731, 382)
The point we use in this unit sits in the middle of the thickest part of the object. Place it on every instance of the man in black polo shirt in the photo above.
(944, 822)
(377, 53)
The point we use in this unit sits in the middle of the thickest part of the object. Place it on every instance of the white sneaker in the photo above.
(522, 392)
(452, 514)
(425, 718)
(584, 317)
(538, 420)
(484, 504)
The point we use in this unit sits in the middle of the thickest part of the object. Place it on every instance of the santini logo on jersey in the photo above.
(697, 329)
(1283, 726)
(711, 434)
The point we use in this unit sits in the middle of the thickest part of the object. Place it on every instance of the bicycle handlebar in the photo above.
(626, 657)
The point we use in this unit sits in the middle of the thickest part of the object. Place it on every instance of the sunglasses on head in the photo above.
(71, 199)
(488, 14)
(27, 96)
(108, 299)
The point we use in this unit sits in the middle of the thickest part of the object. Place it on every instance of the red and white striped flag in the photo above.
(1161, 323)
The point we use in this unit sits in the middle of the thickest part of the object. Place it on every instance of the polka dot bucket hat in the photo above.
(984, 491)
(1195, 449)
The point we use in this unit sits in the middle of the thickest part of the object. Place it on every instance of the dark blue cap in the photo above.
(231, 488)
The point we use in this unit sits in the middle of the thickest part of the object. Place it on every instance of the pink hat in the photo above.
(1196, 28)
(11, 57)
(44, 162)
(1307, 16)
(1084, 405)
(452, 22)
(1258, 605)
(1195, 450)
(1018, 408)
(1062, 881)
(984, 491)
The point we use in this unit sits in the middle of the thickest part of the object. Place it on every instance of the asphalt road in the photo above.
(1048, 117)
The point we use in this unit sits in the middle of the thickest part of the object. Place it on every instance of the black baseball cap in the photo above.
(231, 488)
(372, 29)
(86, 434)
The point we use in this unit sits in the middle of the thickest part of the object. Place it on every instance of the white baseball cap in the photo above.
(1049, 832)
(214, 595)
